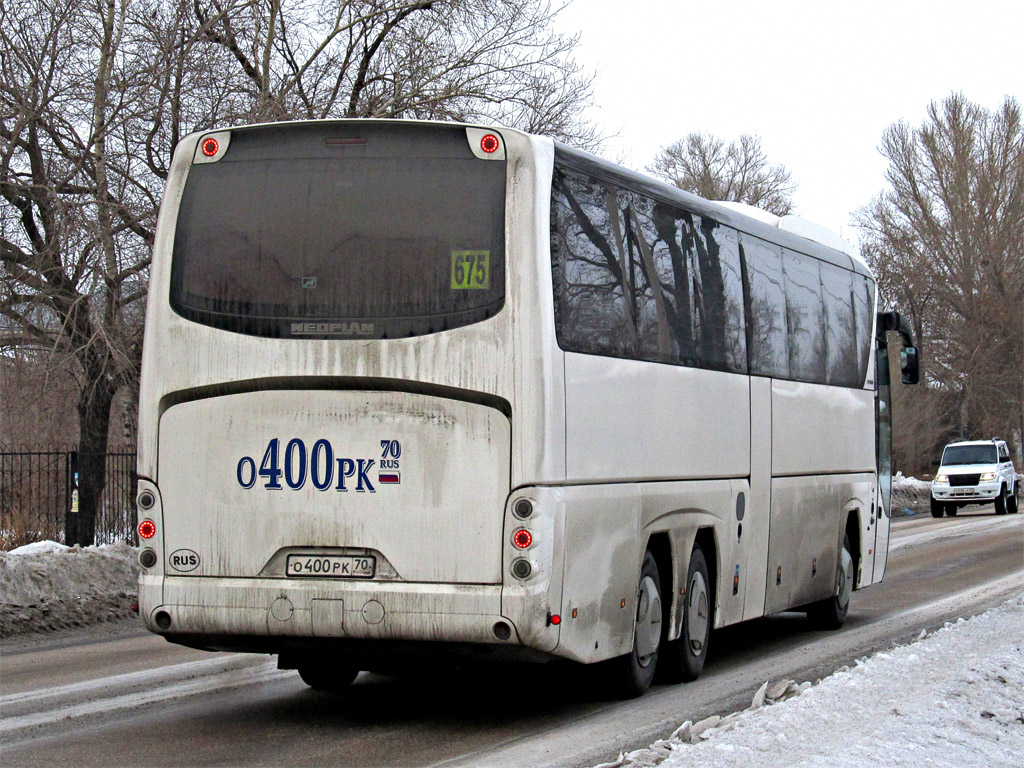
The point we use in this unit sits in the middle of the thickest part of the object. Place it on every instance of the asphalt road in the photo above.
(134, 699)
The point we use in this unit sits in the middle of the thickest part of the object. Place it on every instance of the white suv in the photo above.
(975, 472)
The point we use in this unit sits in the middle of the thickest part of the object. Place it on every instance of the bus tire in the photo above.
(631, 674)
(685, 657)
(938, 508)
(830, 613)
(1001, 501)
(321, 675)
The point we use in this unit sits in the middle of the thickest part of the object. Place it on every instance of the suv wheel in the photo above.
(1011, 503)
(1001, 504)
(938, 508)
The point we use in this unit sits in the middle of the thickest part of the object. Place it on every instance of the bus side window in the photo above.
(594, 301)
(841, 365)
(804, 317)
(766, 313)
(863, 311)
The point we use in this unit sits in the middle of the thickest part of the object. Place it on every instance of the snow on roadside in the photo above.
(46, 586)
(909, 493)
(953, 698)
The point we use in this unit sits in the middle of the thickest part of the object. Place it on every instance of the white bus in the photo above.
(416, 388)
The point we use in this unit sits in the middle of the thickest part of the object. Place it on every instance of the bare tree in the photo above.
(947, 243)
(75, 228)
(473, 60)
(95, 95)
(737, 172)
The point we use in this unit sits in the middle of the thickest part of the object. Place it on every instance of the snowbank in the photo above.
(909, 493)
(46, 586)
(952, 698)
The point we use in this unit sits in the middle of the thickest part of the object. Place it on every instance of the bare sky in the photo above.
(818, 81)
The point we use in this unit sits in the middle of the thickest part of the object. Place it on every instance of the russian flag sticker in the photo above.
(389, 478)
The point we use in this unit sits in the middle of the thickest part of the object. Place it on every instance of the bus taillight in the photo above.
(522, 538)
(489, 143)
(211, 147)
(147, 529)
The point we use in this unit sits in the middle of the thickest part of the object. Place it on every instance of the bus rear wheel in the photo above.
(321, 675)
(631, 675)
(830, 613)
(683, 659)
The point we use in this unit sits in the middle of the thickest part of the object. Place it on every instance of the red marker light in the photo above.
(522, 538)
(556, 619)
(210, 147)
(489, 143)
(147, 529)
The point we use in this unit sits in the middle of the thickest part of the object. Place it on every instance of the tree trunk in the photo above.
(94, 422)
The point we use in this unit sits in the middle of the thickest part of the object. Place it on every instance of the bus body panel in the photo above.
(390, 475)
(808, 521)
(817, 429)
(538, 387)
(607, 528)
(883, 518)
(247, 614)
(756, 517)
(631, 420)
(683, 509)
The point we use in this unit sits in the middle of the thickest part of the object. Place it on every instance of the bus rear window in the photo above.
(341, 230)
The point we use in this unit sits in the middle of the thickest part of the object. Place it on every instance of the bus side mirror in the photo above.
(909, 365)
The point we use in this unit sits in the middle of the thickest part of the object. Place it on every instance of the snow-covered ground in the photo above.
(952, 698)
(47, 586)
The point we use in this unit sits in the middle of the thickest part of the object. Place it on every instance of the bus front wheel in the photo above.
(631, 675)
(830, 613)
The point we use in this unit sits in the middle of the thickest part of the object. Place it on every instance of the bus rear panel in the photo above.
(326, 426)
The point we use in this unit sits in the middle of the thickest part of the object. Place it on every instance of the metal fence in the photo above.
(38, 493)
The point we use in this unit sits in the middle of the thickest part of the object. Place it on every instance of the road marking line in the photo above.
(265, 671)
(129, 679)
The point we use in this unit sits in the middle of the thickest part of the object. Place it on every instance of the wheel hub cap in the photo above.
(697, 614)
(648, 621)
(844, 578)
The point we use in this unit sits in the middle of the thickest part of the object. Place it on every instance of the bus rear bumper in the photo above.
(262, 609)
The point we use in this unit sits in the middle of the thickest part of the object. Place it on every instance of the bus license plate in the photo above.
(339, 566)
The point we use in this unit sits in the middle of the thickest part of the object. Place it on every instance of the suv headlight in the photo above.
(986, 476)
(942, 479)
